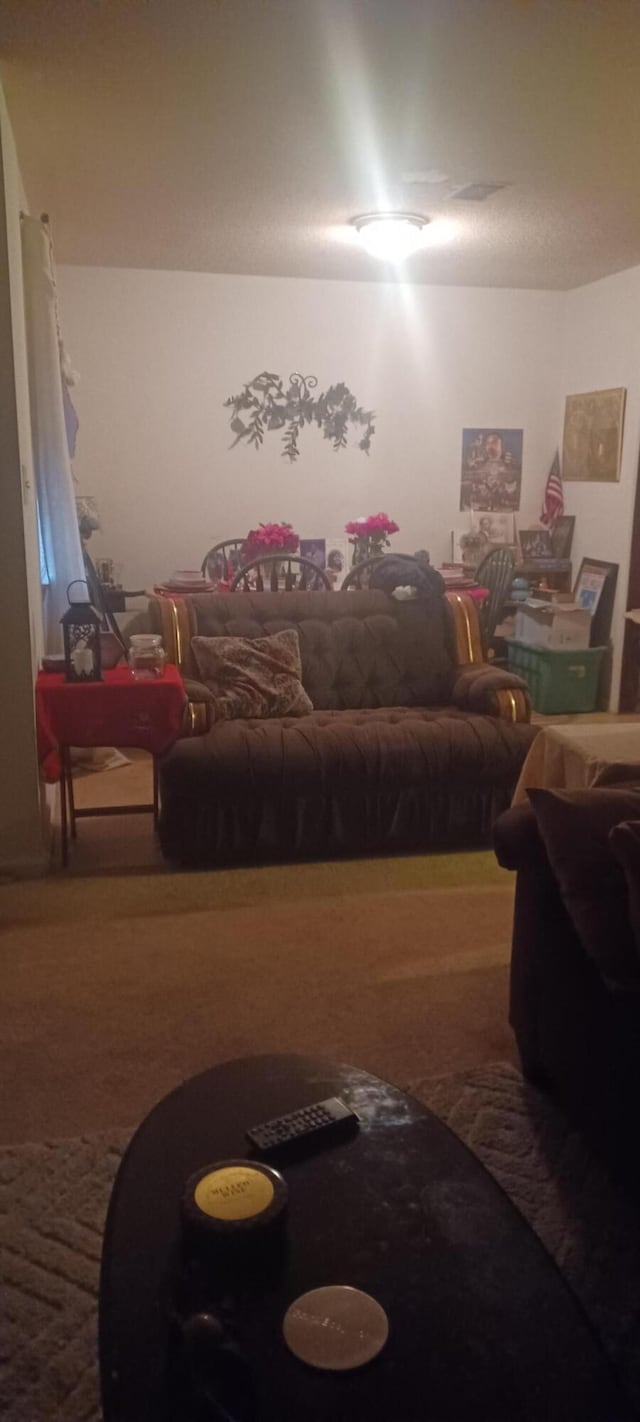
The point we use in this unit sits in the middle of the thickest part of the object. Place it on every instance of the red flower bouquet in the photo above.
(370, 536)
(269, 538)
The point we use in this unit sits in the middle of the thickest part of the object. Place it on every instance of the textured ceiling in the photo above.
(241, 135)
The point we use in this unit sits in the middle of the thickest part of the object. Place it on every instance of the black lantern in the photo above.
(81, 631)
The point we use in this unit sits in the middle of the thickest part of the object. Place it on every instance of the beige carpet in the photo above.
(116, 988)
(53, 1198)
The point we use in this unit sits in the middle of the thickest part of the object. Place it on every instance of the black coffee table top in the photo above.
(482, 1325)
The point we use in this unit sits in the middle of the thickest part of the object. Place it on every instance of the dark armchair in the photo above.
(575, 967)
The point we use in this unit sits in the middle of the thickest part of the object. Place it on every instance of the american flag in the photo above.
(553, 500)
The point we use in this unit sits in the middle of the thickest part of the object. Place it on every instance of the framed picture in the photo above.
(338, 559)
(595, 589)
(562, 535)
(589, 587)
(496, 528)
(457, 553)
(535, 543)
(315, 549)
(592, 441)
(491, 470)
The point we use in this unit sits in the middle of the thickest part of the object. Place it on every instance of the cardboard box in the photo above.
(559, 626)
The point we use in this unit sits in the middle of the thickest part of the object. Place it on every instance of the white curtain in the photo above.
(51, 426)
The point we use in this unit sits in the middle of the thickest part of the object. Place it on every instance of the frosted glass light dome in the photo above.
(391, 236)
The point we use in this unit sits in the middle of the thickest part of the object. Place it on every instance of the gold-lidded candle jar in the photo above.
(234, 1201)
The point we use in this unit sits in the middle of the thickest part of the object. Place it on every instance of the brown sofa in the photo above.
(412, 742)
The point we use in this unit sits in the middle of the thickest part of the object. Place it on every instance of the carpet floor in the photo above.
(53, 1198)
(117, 988)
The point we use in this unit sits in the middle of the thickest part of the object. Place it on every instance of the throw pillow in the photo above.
(625, 843)
(253, 676)
(574, 826)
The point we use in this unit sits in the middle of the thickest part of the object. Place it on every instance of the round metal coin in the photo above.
(335, 1328)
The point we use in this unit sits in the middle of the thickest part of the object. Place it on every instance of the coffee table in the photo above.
(579, 755)
(482, 1324)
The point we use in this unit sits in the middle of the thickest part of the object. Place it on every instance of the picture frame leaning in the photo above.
(595, 589)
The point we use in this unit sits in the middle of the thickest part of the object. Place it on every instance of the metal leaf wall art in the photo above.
(264, 405)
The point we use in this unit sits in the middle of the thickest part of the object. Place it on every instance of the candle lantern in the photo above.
(81, 631)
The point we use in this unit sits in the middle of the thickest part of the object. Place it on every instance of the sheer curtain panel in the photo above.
(60, 538)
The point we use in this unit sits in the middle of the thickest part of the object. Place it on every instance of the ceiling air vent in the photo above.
(477, 192)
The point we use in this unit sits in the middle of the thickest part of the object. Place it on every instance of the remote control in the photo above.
(324, 1121)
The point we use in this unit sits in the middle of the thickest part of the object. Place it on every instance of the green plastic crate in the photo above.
(558, 681)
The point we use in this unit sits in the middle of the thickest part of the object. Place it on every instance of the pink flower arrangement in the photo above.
(370, 535)
(269, 538)
(375, 526)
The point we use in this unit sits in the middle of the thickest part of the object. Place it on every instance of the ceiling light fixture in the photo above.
(391, 236)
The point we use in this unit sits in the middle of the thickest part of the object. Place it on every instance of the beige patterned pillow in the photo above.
(253, 676)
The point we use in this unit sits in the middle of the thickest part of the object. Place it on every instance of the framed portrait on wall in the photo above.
(592, 440)
(491, 471)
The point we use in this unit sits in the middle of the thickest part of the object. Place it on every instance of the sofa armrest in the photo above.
(516, 838)
(200, 712)
(490, 691)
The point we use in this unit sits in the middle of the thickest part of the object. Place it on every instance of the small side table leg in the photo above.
(66, 760)
(64, 834)
(156, 798)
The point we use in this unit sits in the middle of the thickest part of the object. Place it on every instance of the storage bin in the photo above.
(558, 681)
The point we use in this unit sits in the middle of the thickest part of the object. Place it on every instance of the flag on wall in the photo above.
(553, 500)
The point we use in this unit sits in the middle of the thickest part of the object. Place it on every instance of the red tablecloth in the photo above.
(117, 711)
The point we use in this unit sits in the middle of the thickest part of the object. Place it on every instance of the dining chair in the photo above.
(278, 573)
(358, 575)
(495, 573)
(223, 560)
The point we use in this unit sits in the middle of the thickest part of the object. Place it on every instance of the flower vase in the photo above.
(364, 548)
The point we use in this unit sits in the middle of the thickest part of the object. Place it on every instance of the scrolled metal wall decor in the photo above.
(264, 405)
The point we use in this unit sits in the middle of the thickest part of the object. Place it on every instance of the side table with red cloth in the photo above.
(117, 711)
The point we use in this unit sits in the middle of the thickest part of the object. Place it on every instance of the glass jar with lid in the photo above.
(147, 656)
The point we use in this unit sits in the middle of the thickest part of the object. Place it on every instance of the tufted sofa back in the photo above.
(357, 648)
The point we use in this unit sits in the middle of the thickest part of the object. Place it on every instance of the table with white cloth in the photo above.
(575, 756)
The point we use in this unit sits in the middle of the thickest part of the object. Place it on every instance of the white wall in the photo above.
(158, 352)
(601, 350)
(22, 821)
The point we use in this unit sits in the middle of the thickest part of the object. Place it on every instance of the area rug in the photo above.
(53, 1198)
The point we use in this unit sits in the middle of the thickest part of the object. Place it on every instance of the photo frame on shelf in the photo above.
(562, 535)
(338, 558)
(535, 543)
(496, 528)
(595, 589)
(457, 552)
(315, 549)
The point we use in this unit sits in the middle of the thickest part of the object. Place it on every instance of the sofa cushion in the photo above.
(358, 649)
(388, 746)
(575, 827)
(253, 676)
(371, 781)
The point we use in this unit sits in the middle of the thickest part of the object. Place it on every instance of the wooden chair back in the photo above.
(358, 575)
(275, 572)
(495, 572)
(223, 560)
